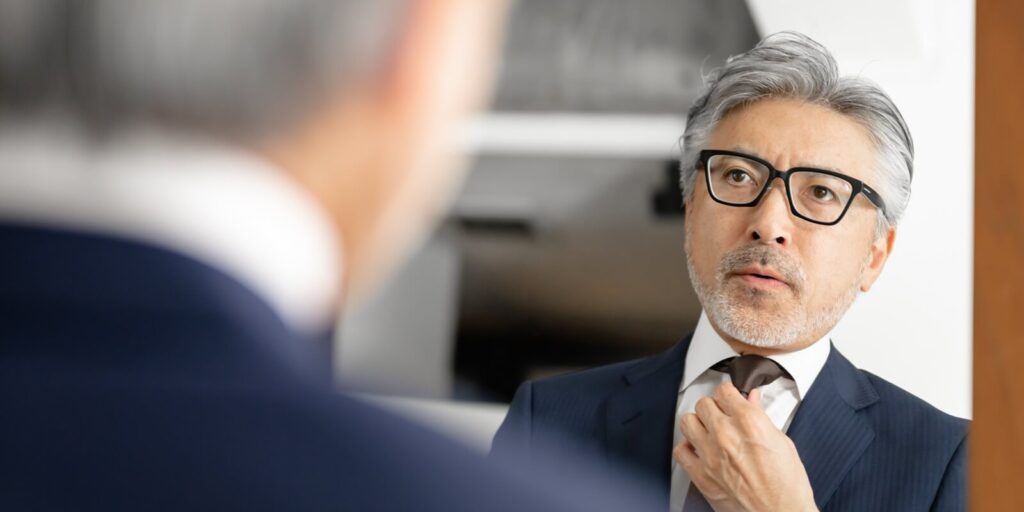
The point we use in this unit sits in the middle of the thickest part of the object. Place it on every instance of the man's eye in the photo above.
(823, 194)
(737, 176)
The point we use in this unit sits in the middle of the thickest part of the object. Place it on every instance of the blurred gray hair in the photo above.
(237, 67)
(792, 65)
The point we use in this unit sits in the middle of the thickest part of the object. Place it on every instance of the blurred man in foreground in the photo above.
(184, 188)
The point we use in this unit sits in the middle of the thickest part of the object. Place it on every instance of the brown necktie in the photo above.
(750, 371)
(747, 372)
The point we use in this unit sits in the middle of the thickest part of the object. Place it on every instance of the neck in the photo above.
(743, 348)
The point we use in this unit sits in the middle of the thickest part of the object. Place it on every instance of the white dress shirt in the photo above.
(209, 201)
(779, 399)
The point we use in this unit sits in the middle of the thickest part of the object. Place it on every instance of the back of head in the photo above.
(355, 99)
(238, 68)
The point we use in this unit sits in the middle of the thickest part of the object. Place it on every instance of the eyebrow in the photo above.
(751, 152)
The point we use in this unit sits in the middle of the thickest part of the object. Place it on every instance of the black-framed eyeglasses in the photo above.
(820, 196)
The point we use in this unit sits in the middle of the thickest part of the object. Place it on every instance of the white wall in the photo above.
(914, 327)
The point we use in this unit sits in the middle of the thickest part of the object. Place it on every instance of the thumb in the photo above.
(755, 397)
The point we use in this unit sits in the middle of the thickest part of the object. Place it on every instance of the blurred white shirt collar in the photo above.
(708, 348)
(218, 204)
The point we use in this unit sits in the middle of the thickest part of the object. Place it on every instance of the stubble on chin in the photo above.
(758, 317)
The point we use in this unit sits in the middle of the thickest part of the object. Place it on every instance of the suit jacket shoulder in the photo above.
(572, 407)
(134, 378)
(901, 412)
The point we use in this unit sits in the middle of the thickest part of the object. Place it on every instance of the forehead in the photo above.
(793, 133)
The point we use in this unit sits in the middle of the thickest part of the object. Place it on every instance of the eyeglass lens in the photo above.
(738, 181)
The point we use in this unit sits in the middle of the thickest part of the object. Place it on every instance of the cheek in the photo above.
(710, 234)
(831, 269)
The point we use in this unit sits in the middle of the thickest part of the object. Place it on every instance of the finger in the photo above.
(729, 399)
(708, 411)
(755, 397)
(686, 456)
(693, 430)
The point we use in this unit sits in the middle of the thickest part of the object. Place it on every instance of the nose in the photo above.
(771, 222)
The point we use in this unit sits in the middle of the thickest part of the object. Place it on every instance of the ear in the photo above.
(881, 248)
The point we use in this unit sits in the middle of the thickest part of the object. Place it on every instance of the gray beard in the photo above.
(741, 319)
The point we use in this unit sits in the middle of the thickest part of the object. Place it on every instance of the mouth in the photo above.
(761, 278)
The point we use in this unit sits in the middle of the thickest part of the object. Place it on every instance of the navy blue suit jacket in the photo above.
(135, 378)
(866, 444)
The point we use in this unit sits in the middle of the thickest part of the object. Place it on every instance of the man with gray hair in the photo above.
(794, 179)
(189, 190)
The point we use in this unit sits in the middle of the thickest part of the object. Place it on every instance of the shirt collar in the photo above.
(708, 348)
(213, 202)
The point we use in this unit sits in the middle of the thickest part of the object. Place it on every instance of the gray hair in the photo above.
(241, 68)
(792, 65)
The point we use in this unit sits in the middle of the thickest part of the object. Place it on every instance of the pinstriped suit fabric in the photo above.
(867, 445)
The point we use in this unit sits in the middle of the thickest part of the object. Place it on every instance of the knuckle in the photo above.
(703, 404)
(720, 390)
(683, 457)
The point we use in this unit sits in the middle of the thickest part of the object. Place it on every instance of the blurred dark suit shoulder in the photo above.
(866, 443)
(135, 378)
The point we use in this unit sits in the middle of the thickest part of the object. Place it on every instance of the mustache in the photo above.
(766, 257)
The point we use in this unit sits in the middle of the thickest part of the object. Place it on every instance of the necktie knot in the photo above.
(750, 371)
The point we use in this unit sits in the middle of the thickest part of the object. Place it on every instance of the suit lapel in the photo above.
(640, 418)
(827, 430)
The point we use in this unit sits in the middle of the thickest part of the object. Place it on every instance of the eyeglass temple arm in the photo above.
(874, 197)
